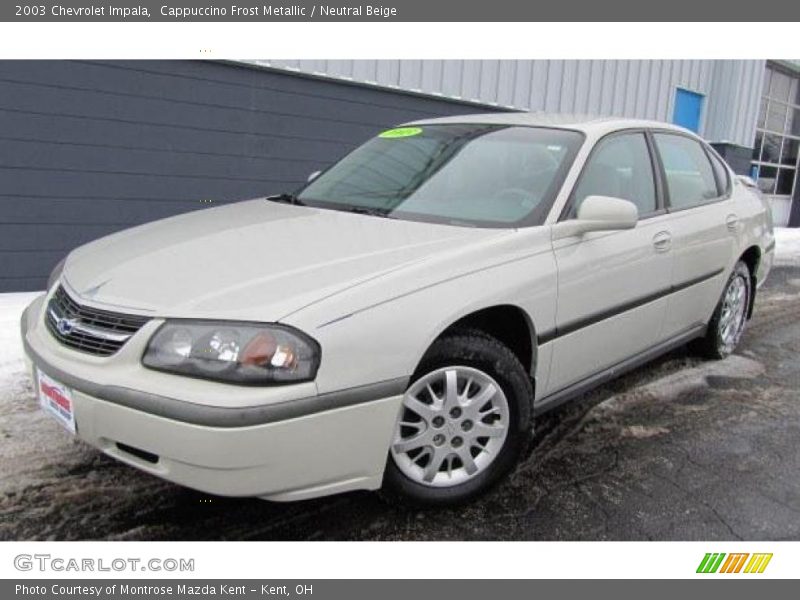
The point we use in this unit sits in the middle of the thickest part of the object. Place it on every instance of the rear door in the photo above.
(611, 285)
(704, 226)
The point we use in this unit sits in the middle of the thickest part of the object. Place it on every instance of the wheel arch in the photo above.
(752, 258)
(509, 323)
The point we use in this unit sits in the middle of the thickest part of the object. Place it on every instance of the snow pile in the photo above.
(787, 246)
(11, 307)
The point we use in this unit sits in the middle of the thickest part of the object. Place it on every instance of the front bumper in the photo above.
(219, 441)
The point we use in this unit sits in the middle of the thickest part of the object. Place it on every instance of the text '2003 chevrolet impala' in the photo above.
(399, 321)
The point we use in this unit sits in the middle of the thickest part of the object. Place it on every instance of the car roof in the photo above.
(590, 124)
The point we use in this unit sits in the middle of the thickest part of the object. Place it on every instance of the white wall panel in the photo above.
(781, 209)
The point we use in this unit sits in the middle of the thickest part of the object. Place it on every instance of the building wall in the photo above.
(733, 106)
(630, 88)
(88, 148)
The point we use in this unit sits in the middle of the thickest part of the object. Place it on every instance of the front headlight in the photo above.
(231, 352)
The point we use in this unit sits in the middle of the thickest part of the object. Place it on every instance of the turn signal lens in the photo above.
(260, 350)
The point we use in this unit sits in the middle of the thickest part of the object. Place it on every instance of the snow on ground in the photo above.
(787, 246)
(11, 307)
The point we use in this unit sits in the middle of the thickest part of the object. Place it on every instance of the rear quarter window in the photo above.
(690, 176)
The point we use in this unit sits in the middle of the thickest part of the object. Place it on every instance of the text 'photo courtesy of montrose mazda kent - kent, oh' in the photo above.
(399, 322)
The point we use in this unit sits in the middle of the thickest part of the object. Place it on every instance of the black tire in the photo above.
(712, 344)
(476, 349)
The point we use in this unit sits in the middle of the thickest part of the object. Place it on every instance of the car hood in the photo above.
(251, 260)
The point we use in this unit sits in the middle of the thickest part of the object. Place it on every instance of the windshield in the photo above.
(484, 175)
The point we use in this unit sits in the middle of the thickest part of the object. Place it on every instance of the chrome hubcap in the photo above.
(734, 307)
(453, 424)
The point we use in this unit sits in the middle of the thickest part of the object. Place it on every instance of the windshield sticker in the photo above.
(400, 132)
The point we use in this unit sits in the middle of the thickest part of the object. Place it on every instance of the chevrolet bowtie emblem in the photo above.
(65, 326)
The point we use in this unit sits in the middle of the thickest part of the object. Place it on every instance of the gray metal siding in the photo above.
(88, 148)
(629, 88)
(733, 106)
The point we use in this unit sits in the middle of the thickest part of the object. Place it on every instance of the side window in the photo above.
(619, 167)
(690, 177)
(721, 172)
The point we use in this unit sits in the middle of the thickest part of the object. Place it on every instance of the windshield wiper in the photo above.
(286, 199)
(371, 211)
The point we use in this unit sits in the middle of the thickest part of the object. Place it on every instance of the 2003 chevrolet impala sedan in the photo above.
(399, 321)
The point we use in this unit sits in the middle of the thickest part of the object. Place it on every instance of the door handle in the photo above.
(662, 241)
(732, 221)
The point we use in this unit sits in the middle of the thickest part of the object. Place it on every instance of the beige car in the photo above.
(400, 320)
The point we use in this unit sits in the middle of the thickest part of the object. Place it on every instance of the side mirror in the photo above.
(599, 213)
(313, 176)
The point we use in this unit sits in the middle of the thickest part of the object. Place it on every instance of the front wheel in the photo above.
(465, 419)
(730, 316)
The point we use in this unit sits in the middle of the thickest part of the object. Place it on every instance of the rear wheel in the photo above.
(465, 419)
(730, 317)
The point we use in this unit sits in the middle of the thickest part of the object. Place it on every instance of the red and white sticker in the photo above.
(56, 400)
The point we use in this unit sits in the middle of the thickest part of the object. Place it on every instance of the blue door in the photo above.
(688, 108)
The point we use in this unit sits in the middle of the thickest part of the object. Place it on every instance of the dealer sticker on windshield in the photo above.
(56, 400)
(400, 132)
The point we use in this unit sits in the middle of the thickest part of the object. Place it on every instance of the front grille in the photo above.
(87, 329)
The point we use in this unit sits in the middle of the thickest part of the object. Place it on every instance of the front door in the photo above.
(611, 285)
